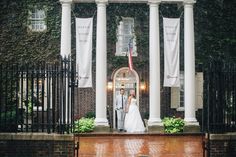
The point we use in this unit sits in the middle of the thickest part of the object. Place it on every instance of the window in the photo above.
(125, 35)
(37, 20)
(177, 93)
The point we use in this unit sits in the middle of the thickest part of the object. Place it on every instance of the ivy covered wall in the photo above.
(214, 30)
(18, 43)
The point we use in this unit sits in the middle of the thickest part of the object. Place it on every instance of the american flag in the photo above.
(130, 49)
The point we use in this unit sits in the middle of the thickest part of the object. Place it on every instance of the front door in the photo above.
(124, 78)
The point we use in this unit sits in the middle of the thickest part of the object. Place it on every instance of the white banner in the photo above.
(171, 27)
(84, 34)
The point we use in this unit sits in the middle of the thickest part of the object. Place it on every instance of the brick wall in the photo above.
(36, 145)
(222, 145)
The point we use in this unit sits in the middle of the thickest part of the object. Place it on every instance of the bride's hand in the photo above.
(127, 108)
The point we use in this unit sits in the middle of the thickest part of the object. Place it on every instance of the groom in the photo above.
(121, 101)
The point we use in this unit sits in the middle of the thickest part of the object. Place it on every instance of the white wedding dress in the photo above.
(133, 120)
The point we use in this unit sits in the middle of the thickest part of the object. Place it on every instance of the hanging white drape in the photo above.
(171, 51)
(84, 31)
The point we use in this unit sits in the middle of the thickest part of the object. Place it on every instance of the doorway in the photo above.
(124, 78)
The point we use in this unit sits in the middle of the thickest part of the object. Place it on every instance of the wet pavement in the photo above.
(141, 146)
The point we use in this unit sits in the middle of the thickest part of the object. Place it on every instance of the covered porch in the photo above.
(154, 120)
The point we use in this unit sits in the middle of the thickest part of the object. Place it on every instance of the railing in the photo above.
(37, 97)
(219, 97)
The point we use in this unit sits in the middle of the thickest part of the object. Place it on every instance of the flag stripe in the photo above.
(130, 57)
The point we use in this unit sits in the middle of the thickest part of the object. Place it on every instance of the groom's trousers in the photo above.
(120, 119)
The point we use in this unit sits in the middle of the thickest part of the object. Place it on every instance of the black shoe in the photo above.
(120, 130)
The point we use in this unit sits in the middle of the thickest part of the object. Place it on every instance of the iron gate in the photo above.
(37, 97)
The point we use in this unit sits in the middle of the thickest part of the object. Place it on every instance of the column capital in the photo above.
(66, 1)
(154, 2)
(189, 2)
(101, 1)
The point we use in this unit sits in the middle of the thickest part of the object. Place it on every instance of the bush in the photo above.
(84, 125)
(90, 115)
(9, 120)
(173, 125)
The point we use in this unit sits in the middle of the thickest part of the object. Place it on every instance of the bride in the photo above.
(133, 120)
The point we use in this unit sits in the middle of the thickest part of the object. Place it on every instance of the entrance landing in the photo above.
(141, 146)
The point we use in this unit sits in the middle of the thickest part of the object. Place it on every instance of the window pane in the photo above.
(127, 29)
(33, 15)
(41, 14)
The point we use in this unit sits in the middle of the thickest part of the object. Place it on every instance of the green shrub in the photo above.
(173, 125)
(90, 115)
(84, 125)
(8, 116)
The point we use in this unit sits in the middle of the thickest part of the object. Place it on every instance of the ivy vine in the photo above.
(21, 44)
(18, 43)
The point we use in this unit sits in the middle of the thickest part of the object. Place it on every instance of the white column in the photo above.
(154, 65)
(66, 49)
(66, 28)
(189, 64)
(101, 65)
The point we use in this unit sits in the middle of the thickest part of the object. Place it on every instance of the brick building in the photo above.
(43, 29)
(37, 31)
(115, 23)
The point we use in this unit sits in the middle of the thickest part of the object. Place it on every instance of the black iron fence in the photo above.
(37, 97)
(219, 97)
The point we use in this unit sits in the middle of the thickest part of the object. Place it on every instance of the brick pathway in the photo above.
(141, 146)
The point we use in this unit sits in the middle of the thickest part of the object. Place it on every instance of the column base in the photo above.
(191, 127)
(155, 126)
(101, 122)
(156, 129)
(190, 120)
(101, 125)
(103, 129)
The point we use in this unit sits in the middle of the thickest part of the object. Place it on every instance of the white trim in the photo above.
(66, 1)
(101, 1)
(180, 109)
(134, 1)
